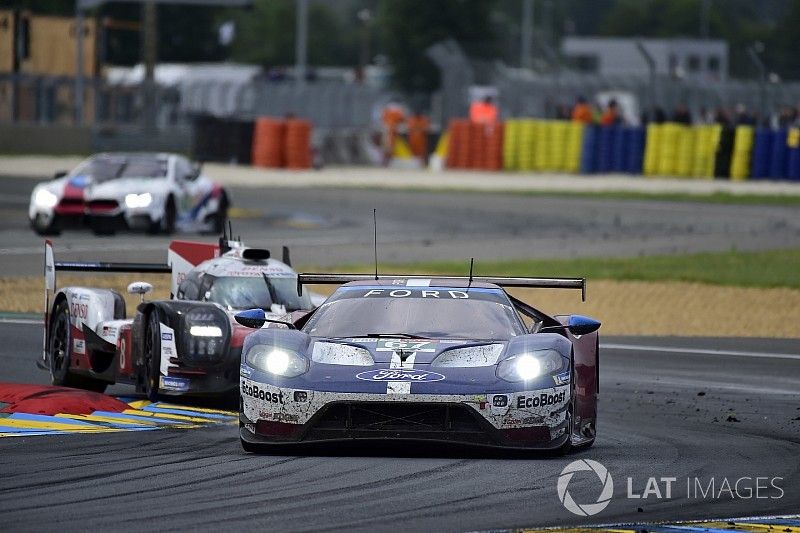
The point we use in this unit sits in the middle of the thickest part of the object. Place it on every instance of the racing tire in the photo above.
(152, 355)
(43, 228)
(166, 224)
(58, 353)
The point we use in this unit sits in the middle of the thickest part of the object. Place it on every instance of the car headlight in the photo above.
(529, 366)
(332, 353)
(470, 356)
(45, 198)
(277, 361)
(133, 201)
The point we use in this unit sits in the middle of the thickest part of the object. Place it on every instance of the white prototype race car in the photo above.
(155, 192)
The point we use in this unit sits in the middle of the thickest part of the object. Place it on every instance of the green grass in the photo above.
(777, 268)
(789, 200)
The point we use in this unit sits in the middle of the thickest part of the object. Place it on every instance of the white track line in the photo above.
(700, 351)
(21, 321)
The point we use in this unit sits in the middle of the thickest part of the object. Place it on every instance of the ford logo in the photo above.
(400, 374)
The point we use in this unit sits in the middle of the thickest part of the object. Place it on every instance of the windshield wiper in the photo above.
(400, 335)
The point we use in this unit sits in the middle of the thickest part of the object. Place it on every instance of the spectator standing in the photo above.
(484, 111)
(392, 118)
(582, 111)
(682, 114)
(611, 115)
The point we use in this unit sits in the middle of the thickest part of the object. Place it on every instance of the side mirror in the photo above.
(139, 287)
(582, 325)
(256, 318)
(60, 174)
(252, 318)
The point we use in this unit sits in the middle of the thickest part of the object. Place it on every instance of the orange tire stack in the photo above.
(268, 142)
(477, 142)
(458, 151)
(298, 144)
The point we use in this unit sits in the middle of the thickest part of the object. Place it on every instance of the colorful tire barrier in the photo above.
(701, 151)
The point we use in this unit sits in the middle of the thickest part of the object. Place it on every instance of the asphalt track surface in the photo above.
(334, 226)
(668, 413)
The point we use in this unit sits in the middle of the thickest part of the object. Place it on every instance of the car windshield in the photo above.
(237, 292)
(105, 168)
(358, 311)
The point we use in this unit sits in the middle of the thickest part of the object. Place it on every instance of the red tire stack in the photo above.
(477, 145)
(268, 142)
(458, 155)
(298, 144)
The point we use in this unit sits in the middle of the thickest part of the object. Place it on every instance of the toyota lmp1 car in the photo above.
(110, 191)
(453, 360)
(188, 344)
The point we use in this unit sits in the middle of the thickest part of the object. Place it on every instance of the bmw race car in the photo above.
(454, 360)
(188, 344)
(143, 191)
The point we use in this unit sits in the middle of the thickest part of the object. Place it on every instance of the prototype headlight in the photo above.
(276, 361)
(205, 331)
(44, 198)
(529, 366)
(133, 201)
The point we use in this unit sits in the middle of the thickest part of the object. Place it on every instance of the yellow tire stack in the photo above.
(705, 150)
(558, 145)
(527, 144)
(686, 147)
(669, 149)
(652, 149)
(742, 147)
(511, 146)
(574, 147)
(541, 150)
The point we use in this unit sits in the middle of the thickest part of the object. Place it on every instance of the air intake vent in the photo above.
(255, 254)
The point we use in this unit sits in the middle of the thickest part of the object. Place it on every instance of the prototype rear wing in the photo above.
(532, 283)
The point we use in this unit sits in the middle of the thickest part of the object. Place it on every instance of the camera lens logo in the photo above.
(585, 509)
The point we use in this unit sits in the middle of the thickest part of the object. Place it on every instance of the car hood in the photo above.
(421, 351)
(118, 188)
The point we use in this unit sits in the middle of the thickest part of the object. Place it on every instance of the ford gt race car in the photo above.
(453, 359)
(189, 344)
(110, 191)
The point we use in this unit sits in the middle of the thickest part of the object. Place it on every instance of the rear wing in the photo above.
(532, 283)
(182, 256)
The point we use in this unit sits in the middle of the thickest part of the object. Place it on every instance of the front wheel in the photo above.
(152, 355)
(45, 226)
(166, 224)
(58, 353)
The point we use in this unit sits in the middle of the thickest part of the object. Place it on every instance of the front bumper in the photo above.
(201, 380)
(530, 419)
